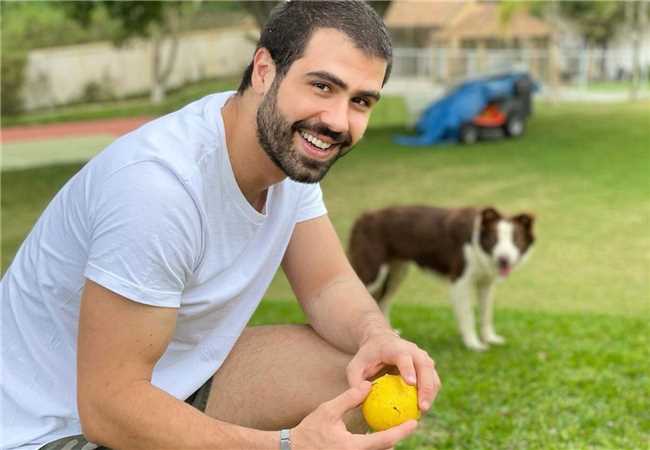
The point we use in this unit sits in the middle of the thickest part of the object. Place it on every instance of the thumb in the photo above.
(350, 398)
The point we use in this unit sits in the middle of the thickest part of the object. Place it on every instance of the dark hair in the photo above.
(292, 23)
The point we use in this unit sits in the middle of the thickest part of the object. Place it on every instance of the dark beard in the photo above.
(275, 135)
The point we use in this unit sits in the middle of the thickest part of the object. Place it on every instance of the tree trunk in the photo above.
(603, 61)
(640, 21)
(156, 94)
(554, 51)
(160, 69)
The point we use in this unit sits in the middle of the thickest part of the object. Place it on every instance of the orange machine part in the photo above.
(491, 116)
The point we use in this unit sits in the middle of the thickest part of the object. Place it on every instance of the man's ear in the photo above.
(263, 71)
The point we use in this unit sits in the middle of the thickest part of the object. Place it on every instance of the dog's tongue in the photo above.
(504, 270)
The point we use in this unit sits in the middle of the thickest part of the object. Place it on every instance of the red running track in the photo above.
(116, 127)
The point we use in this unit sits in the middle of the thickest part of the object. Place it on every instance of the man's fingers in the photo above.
(383, 440)
(406, 368)
(428, 381)
(348, 399)
(359, 370)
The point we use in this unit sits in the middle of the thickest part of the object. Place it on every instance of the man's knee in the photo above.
(276, 375)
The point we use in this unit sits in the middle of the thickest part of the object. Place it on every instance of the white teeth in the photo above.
(315, 141)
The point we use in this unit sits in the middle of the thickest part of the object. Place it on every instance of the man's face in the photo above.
(315, 113)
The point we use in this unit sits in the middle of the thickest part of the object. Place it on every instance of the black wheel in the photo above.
(515, 126)
(468, 133)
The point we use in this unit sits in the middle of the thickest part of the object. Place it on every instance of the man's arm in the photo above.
(336, 302)
(119, 343)
(342, 311)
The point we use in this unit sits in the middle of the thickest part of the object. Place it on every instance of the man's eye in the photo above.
(321, 86)
(361, 102)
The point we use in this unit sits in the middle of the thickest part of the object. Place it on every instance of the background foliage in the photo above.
(29, 25)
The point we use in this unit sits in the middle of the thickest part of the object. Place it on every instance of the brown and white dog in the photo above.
(472, 247)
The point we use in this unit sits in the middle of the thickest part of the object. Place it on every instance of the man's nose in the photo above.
(336, 117)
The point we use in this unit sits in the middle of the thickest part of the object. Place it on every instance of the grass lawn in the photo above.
(615, 86)
(575, 373)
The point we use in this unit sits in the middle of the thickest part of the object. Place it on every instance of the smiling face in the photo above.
(320, 108)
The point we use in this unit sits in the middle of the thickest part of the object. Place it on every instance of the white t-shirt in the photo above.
(158, 218)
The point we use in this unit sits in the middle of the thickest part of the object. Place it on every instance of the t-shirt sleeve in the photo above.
(311, 203)
(146, 235)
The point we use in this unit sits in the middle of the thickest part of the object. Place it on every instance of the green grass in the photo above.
(64, 150)
(569, 381)
(583, 170)
(615, 86)
(575, 372)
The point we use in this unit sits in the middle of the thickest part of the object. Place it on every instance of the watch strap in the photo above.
(285, 440)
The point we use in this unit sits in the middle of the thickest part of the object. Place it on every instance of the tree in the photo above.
(155, 20)
(598, 22)
(261, 9)
(380, 6)
(30, 25)
(636, 18)
(549, 10)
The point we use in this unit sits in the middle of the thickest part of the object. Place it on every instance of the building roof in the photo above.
(483, 21)
(467, 19)
(422, 14)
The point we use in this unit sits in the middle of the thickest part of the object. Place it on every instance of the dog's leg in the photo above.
(461, 298)
(396, 274)
(385, 285)
(376, 287)
(486, 304)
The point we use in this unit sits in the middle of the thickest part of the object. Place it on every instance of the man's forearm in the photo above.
(344, 313)
(144, 417)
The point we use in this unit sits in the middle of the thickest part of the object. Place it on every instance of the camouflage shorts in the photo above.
(199, 400)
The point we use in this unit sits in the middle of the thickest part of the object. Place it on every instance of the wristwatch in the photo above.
(285, 440)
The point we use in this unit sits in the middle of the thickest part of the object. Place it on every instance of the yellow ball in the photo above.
(390, 402)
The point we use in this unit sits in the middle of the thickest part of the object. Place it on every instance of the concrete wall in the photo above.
(60, 75)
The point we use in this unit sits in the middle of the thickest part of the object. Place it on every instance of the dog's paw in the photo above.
(494, 339)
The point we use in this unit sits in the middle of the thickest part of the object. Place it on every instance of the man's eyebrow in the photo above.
(342, 84)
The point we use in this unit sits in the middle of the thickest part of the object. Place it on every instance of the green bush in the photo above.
(13, 76)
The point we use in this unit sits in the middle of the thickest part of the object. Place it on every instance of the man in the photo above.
(147, 265)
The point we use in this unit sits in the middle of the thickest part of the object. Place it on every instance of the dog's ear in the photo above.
(526, 220)
(489, 215)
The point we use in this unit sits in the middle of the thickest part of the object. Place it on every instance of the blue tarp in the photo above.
(442, 119)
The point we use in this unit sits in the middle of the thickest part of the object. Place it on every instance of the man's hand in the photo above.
(386, 348)
(324, 429)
